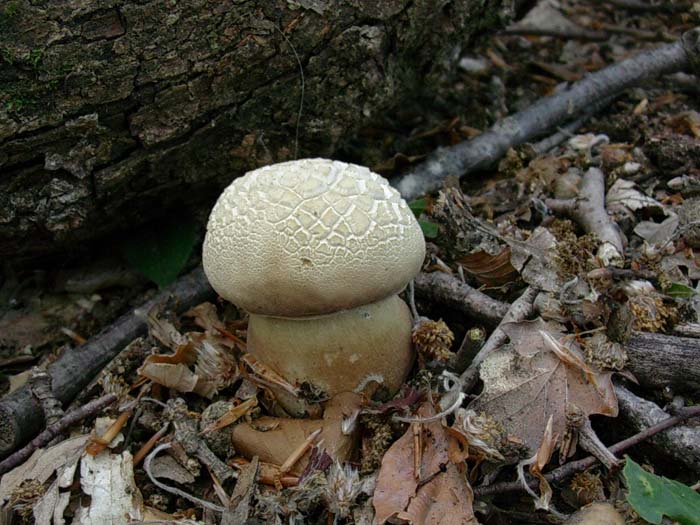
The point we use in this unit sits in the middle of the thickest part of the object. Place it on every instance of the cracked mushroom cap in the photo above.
(310, 237)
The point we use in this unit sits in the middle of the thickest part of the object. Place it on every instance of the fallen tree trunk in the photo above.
(114, 112)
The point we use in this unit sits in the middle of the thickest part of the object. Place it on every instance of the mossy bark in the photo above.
(113, 111)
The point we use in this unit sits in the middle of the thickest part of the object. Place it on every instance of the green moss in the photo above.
(8, 13)
(11, 9)
(34, 58)
(15, 102)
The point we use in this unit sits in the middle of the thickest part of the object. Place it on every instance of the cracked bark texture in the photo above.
(114, 111)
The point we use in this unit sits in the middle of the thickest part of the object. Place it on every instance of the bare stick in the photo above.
(444, 288)
(660, 361)
(298, 452)
(40, 383)
(20, 414)
(546, 115)
(50, 432)
(522, 308)
(588, 209)
(563, 472)
(649, 7)
(574, 33)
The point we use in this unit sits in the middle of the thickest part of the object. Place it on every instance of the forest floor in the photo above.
(598, 302)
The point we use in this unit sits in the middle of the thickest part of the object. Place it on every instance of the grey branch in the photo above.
(548, 113)
(56, 428)
(660, 361)
(588, 209)
(446, 289)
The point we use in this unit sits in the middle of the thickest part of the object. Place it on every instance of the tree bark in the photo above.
(660, 361)
(113, 111)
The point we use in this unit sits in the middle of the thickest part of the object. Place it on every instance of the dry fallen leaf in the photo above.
(108, 480)
(205, 316)
(491, 270)
(537, 376)
(623, 193)
(214, 367)
(436, 492)
(536, 259)
(536, 463)
(42, 464)
(164, 331)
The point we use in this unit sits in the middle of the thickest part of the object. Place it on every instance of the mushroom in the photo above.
(316, 252)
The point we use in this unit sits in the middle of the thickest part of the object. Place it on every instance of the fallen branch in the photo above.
(648, 7)
(21, 416)
(444, 288)
(592, 35)
(545, 115)
(560, 474)
(573, 33)
(680, 445)
(588, 209)
(53, 430)
(660, 361)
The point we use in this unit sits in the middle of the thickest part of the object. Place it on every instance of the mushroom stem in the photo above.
(336, 352)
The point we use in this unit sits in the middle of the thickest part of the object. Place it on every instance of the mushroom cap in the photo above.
(310, 237)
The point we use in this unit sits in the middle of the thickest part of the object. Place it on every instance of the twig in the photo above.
(546, 114)
(187, 435)
(40, 383)
(588, 209)
(48, 434)
(639, 33)
(148, 445)
(473, 340)
(637, 5)
(563, 472)
(578, 33)
(298, 452)
(679, 445)
(588, 440)
(522, 308)
(412, 301)
(443, 288)
(98, 443)
(583, 33)
(20, 414)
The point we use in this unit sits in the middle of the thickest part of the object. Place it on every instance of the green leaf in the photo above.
(160, 250)
(430, 229)
(418, 206)
(681, 291)
(654, 497)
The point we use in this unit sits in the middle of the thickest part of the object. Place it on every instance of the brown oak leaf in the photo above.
(436, 492)
(537, 376)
